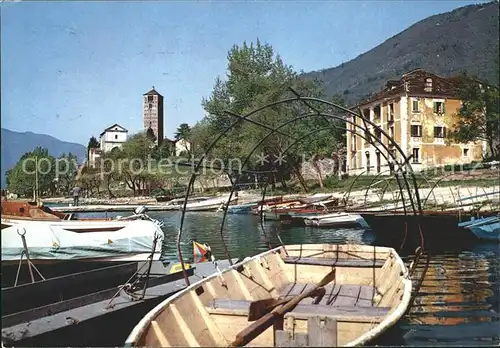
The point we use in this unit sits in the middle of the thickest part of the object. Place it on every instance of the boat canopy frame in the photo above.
(400, 168)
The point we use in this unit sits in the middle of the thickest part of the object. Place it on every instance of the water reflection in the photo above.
(459, 300)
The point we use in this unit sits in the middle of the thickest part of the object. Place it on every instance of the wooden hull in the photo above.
(73, 310)
(29, 210)
(370, 293)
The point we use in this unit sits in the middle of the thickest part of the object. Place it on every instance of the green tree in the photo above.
(150, 134)
(108, 169)
(90, 180)
(255, 76)
(330, 143)
(134, 161)
(21, 179)
(202, 135)
(478, 117)
(162, 151)
(183, 132)
(65, 172)
(93, 143)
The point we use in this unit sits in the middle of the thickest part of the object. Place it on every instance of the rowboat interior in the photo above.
(369, 292)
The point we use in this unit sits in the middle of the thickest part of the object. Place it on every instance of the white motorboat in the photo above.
(67, 240)
(198, 203)
(335, 220)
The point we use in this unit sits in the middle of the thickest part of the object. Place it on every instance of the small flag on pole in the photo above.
(201, 252)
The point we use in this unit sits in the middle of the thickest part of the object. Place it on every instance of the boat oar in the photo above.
(262, 307)
(257, 327)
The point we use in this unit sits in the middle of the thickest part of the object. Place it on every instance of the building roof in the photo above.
(122, 129)
(414, 83)
(152, 92)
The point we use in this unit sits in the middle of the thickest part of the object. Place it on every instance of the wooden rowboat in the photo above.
(364, 291)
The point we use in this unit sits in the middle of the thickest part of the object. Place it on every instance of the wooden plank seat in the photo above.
(335, 294)
(333, 262)
(303, 311)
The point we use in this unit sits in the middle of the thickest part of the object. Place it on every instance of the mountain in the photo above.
(16, 144)
(465, 39)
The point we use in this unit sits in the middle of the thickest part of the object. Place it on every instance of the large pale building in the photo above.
(152, 112)
(417, 111)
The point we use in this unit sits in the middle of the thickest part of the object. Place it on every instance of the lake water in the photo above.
(458, 303)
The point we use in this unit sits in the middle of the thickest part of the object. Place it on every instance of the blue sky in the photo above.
(71, 69)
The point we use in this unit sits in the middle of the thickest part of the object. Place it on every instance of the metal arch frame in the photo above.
(371, 183)
(399, 185)
(431, 191)
(401, 166)
(297, 141)
(291, 121)
(348, 193)
(436, 185)
(388, 180)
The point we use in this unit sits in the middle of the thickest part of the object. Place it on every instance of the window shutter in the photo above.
(442, 107)
(444, 131)
(435, 107)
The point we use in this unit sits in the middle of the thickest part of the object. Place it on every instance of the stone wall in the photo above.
(326, 165)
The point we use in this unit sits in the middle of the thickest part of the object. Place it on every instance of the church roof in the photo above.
(152, 92)
(115, 128)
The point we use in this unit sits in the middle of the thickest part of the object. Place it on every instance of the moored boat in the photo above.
(23, 211)
(53, 241)
(94, 308)
(367, 292)
(198, 203)
(440, 227)
(336, 220)
(241, 208)
(484, 228)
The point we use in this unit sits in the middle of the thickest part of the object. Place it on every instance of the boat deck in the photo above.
(341, 301)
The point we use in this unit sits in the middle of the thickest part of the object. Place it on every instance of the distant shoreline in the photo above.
(440, 197)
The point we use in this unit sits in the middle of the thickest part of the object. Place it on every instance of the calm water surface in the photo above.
(458, 303)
